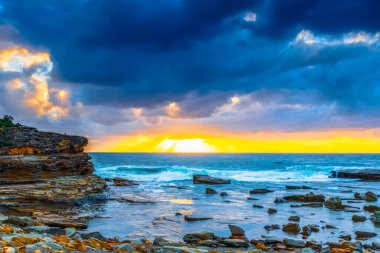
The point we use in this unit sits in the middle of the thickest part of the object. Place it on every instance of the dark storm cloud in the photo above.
(199, 53)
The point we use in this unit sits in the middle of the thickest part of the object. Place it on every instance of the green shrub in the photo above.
(7, 121)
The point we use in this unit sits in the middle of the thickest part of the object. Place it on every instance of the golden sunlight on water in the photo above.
(182, 201)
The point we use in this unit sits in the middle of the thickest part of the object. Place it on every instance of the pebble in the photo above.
(292, 228)
(294, 218)
(210, 191)
(272, 211)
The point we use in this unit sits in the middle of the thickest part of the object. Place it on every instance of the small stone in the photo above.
(294, 218)
(375, 218)
(251, 198)
(330, 226)
(95, 235)
(271, 227)
(272, 211)
(361, 235)
(257, 206)
(346, 237)
(358, 218)
(309, 197)
(236, 230)
(210, 191)
(370, 197)
(292, 228)
(334, 203)
(223, 194)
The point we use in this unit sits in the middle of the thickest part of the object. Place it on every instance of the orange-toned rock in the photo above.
(80, 246)
(337, 250)
(6, 229)
(262, 247)
(61, 239)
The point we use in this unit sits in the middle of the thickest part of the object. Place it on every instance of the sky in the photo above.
(195, 75)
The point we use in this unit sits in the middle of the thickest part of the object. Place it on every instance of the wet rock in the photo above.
(210, 191)
(328, 226)
(296, 187)
(95, 235)
(160, 241)
(370, 197)
(236, 243)
(376, 245)
(65, 224)
(292, 228)
(278, 200)
(308, 229)
(358, 218)
(346, 237)
(236, 230)
(314, 205)
(223, 194)
(371, 208)
(205, 179)
(271, 227)
(251, 198)
(272, 211)
(56, 231)
(375, 218)
(309, 197)
(118, 181)
(364, 174)
(334, 203)
(262, 247)
(19, 221)
(70, 232)
(196, 237)
(195, 218)
(178, 214)
(361, 235)
(294, 218)
(257, 206)
(260, 191)
(132, 198)
(358, 196)
(294, 243)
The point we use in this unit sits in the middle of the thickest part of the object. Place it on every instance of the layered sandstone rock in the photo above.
(45, 174)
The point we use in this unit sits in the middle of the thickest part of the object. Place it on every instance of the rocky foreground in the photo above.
(47, 190)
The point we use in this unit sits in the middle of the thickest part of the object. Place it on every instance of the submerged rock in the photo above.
(294, 243)
(272, 211)
(297, 187)
(118, 181)
(371, 208)
(236, 243)
(210, 191)
(205, 179)
(294, 218)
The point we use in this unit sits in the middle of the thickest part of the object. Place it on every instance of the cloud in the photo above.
(239, 64)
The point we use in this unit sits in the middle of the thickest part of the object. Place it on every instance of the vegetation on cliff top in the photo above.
(7, 121)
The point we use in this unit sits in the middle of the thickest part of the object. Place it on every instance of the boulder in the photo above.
(371, 208)
(370, 197)
(236, 230)
(205, 179)
(309, 197)
(334, 203)
(292, 228)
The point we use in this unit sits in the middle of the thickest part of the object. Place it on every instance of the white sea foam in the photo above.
(178, 173)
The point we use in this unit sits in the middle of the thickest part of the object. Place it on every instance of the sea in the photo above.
(166, 180)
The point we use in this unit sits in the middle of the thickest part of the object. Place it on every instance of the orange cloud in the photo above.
(35, 88)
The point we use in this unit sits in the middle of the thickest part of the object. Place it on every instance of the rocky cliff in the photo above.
(45, 174)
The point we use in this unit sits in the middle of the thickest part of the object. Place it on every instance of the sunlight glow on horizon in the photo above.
(212, 140)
